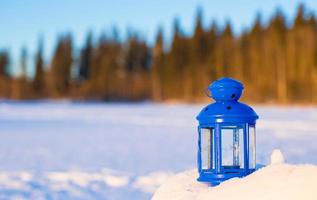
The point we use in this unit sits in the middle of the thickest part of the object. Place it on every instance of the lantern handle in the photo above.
(207, 92)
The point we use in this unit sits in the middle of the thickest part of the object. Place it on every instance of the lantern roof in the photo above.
(226, 108)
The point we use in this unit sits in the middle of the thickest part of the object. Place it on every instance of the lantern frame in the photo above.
(226, 112)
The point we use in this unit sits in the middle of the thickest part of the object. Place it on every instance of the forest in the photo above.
(276, 61)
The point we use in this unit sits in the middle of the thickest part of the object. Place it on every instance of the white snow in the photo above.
(277, 157)
(83, 179)
(151, 182)
(276, 181)
(14, 180)
(65, 150)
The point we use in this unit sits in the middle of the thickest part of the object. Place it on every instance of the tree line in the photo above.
(276, 61)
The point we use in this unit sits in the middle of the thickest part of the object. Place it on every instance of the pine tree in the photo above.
(39, 79)
(212, 40)
(137, 57)
(4, 74)
(178, 58)
(4, 63)
(312, 21)
(255, 64)
(197, 69)
(200, 40)
(225, 53)
(24, 56)
(61, 67)
(108, 78)
(228, 53)
(277, 34)
(20, 86)
(302, 39)
(85, 59)
(158, 67)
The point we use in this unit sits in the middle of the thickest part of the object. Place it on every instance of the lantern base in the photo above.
(216, 178)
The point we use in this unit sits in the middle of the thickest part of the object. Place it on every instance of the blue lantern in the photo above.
(226, 135)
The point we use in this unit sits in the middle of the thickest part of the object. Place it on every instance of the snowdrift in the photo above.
(275, 181)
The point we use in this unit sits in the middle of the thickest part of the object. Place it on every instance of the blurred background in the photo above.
(90, 91)
(158, 51)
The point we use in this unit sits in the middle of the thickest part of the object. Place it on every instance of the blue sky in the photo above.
(23, 21)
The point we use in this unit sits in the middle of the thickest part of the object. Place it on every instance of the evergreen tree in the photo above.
(276, 40)
(178, 58)
(20, 86)
(158, 67)
(200, 40)
(85, 59)
(226, 49)
(4, 63)
(4, 74)
(39, 80)
(107, 79)
(137, 57)
(24, 56)
(61, 67)
(197, 76)
(303, 38)
(312, 21)
(255, 64)
(212, 40)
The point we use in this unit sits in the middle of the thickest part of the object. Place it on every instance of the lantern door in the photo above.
(252, 147)
(207, 149)
(232, 148)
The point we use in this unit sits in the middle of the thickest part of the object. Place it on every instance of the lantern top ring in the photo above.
(226, 109)
(226, 89)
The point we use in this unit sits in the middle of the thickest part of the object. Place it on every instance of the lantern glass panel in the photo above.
(252, 149)
(207, 149)
(232, 147)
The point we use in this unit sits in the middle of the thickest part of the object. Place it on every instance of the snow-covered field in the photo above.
(63, 150)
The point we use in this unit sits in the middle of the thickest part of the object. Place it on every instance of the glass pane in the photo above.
(232, 147)
(252, 150)
(207, 149)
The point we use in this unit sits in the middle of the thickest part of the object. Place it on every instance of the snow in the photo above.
(277, 157)
(65, 150)
(151, 182)
(275, 181)
(83, 178)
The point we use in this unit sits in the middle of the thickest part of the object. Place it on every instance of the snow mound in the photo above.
(277, 157)
(275, 181)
